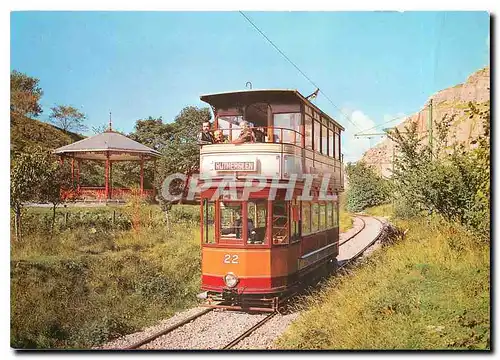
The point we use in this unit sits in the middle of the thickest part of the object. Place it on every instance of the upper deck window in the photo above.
(331, 134)
(317, 135)
(309, 131)
(283, 122)
(230, 125)
(337, 143)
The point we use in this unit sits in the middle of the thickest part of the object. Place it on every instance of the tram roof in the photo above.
(228, 99)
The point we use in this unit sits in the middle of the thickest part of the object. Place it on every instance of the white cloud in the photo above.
(353, 148)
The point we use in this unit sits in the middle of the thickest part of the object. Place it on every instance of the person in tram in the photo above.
(246, 134)
(219, 137)
(259, 134)
(205, 137)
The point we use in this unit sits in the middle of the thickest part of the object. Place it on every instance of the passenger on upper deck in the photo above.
(246, 134)
(260, 136)
(205, 136)
(219, 137)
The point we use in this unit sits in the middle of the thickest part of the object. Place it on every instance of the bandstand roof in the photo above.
(118, 146)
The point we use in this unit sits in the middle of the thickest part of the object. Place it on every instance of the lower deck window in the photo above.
(257, 221)
(230, 220)
(208, 222)
(280, 222)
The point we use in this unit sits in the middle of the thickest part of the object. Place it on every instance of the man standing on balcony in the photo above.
(205, 136)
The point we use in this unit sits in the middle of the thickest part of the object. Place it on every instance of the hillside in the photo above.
(26, 132)
(451, 101)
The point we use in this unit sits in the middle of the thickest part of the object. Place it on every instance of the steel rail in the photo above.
(359, 253)
(356, 233)
(167, 330)
(248, 332)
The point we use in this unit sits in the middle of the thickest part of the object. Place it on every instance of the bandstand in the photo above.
(109, 147)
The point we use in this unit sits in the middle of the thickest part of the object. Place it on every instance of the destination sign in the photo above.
(235, 166)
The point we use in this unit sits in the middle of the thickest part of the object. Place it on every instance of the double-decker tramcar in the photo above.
(269, 205)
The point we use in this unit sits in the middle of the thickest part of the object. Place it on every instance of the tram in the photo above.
(269, 207)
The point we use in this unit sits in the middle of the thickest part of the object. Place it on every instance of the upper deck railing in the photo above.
(264, 134)
(274, 135)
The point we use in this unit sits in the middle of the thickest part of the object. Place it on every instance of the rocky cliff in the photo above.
(451, 101)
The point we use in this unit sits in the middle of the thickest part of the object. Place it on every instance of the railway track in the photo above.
(139, 344)
(356, 233)
(366, 247)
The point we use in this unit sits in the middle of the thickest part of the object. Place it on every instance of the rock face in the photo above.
(451, 101)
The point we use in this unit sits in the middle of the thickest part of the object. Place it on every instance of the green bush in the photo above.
(452, 181)
(366, 187)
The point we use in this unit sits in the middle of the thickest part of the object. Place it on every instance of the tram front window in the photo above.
(230, 220)
(257, 217)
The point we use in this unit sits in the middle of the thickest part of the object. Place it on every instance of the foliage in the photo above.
(25, 94)
(452, 181)
(181, 154)
(67, 118)
(366, 187)
(153, 133)
(429, 291)
(36, 176)
(27, 133)
(88, 285)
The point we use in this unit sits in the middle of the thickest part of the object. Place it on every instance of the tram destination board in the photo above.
(235, 166)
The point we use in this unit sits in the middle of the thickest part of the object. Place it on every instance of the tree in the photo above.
(366, 187)
(181, 154)
(153, 133)
(25, 174)
(25, 94)
(454, 182)
(36, 176)
(98, 129)
(67, 118)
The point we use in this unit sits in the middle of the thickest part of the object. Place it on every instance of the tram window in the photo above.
(229, 125)
(337, 143)
(331, 149)
(317, 136)
(314, 217)
(329, 215)
(230, 220)
(324, 140)
(257, 221)
(322, 216)
(288, 121)
(306, 217)
(295, 217)
(280, 222)
(208, 222)
(335, 214)
(308, 131)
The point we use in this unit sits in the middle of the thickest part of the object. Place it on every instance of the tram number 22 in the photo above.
(231, 259)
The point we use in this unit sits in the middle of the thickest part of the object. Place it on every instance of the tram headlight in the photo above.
(230, 280)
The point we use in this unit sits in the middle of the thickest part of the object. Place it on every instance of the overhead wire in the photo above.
(386, 122)
(298, 69)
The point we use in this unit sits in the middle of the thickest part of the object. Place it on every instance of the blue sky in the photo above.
(372, 65)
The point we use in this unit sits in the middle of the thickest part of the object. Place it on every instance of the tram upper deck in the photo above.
(292, 136)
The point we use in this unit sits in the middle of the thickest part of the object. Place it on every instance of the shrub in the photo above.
(366, 187)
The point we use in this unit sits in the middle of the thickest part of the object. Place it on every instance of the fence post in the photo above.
(114, 218)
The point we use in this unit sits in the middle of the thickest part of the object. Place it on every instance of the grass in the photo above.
(428, 291)
(80, 287)
(345, 221)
